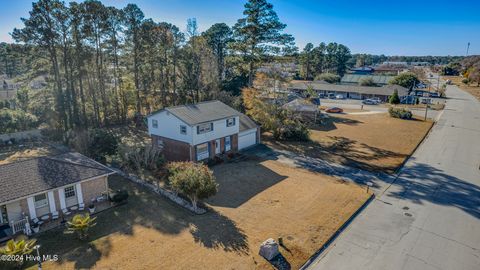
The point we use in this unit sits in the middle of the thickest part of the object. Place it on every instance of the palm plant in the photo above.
(18, 248)
(80, 224)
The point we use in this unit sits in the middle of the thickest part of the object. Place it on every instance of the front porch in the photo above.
(47, 222)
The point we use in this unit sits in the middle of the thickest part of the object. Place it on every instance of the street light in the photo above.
(37, 247)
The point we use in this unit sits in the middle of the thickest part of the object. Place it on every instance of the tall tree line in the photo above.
(106, 65)
(325, 58)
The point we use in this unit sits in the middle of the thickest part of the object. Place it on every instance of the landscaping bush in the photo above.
(194, 180)
(118, 196)
(80, 224)
(16, 120)
(400, 113)
(328, 77)
(95, 143)
(466, 81)
(394, 99)
(145, 157)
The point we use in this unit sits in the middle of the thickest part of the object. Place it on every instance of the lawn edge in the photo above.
(399, 168)
(337, 233)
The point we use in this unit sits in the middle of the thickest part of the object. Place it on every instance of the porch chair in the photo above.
(55, 215)
(37, 221)
(81, 206)
(66, 212)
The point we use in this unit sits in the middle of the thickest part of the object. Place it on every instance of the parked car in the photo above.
(334, 110)
(369, 102)
(448, 82)
(340, 96)
(376, 99)
(434, 95)
(331, 96)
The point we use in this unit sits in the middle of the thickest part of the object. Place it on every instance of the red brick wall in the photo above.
(174, 150)
(234, 142)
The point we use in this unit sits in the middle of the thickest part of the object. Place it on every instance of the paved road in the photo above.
(429, 217)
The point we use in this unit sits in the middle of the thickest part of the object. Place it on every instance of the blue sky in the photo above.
(421, 27)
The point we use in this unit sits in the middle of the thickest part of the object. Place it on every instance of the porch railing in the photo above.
(19, 225)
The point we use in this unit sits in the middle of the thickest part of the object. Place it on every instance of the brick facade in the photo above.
(174, 150)
(94, 188)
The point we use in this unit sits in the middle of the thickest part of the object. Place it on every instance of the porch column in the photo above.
(31, 208)
(51, 202)
(61, 195)
(78, 188)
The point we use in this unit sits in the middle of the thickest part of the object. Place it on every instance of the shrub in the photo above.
(18, 248)
(466, 81)
(95, 143)
(80, 224)
(16, 120)
(400, 113)
(367, 82)
(119, 196)
(145, 157)
(394, 99)
(328, 77)
(194, 180)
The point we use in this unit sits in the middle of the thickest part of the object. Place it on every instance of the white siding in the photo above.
(220, 130)
(247, 138)
(169, 127)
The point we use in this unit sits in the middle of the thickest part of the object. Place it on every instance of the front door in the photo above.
(217, 147)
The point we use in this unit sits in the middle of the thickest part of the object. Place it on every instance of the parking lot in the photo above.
(355, 104)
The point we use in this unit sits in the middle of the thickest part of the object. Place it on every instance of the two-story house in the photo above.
(201, 131)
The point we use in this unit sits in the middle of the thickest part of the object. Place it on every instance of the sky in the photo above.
(400, 27)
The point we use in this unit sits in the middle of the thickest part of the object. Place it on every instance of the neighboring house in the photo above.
(361, 70)
(379, 80)
(352, 91)
(44, 186)
(305, 107)
(201, 131)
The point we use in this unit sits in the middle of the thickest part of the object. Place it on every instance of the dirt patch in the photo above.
(473, 89)
(256, 201)
(375, 142)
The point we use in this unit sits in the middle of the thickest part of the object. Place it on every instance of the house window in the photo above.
(69, 192)
(202, 151)
(204, 128)
(230, 122)
(183, 130)
(154, 123)
(40, 200)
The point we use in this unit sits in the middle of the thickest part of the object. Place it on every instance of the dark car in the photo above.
(334, 110)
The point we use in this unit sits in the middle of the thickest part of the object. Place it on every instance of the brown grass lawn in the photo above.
(373, 142)
(473, 89)
(256, 201)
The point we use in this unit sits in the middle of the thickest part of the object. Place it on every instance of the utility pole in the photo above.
(426, 110)
(468, 47)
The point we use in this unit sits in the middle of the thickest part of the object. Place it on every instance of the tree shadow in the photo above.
(344, 151)
(331, 123)
(216, 231)
(239, 182)
(423, 183)
(148, 210)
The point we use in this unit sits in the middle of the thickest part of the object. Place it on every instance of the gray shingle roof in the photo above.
(23, 178)
(386, 90)
(355, 78)
(246, 123)
(207, 111)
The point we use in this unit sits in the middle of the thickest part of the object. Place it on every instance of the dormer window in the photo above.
(230, 122)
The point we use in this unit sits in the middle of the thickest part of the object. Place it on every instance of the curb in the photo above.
(334, 236)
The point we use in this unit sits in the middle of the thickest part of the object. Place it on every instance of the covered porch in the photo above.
(47, 210)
